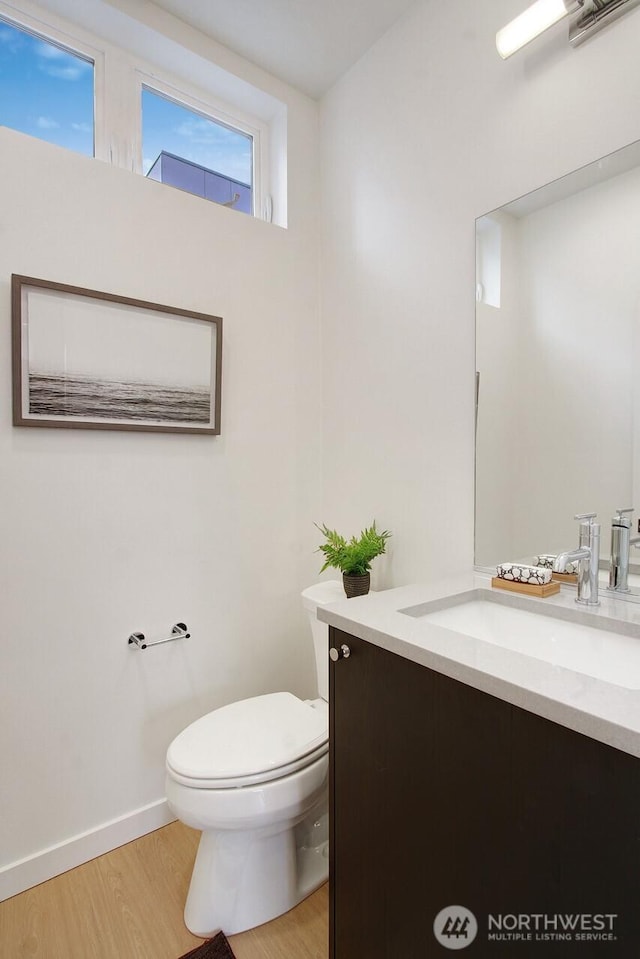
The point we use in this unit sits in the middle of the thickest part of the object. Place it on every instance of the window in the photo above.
(195, 153)
(488, 261)
(46, 90)
(199, 128)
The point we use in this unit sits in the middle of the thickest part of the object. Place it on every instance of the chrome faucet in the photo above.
(621, 540)
(587, 556)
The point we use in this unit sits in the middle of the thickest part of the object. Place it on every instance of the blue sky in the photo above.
(48, 93)
(45, 91)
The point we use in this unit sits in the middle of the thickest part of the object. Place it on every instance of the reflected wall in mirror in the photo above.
(558, 357)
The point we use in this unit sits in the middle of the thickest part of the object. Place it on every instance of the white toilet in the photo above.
(253, 777)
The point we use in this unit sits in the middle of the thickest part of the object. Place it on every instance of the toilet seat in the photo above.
(256, 779)
(249, 742)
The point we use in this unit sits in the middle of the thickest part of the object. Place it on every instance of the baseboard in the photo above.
(25, 873)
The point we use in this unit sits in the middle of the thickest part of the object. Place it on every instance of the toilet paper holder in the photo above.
(178, 631)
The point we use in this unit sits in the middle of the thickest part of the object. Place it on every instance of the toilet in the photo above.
(253, 777)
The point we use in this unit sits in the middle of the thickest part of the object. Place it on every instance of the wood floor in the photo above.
(128, 905)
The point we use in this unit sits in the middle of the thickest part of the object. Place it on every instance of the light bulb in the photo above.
(530, 24)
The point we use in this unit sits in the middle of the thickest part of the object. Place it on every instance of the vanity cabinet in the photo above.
(444, 795)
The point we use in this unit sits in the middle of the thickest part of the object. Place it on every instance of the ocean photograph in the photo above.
(91, 398)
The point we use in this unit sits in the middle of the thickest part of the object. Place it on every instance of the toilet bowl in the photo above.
(253, 777)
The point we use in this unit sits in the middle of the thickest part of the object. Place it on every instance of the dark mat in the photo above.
(216, 948)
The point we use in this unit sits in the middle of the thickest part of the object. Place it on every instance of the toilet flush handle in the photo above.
(342, 653)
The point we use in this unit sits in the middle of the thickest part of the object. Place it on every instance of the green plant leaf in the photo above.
(353, 557)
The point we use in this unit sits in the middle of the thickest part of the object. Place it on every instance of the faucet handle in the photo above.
(620, 519)
(589, 516)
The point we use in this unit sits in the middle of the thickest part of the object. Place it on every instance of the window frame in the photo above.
(186, 96)
(58, 37)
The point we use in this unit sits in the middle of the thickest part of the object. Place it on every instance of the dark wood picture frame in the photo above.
(158, 390)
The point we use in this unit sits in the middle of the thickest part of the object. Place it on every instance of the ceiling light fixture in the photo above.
(545, 13)
(598, 15)
(530, 24)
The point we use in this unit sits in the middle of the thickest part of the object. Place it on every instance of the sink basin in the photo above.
(592, 644)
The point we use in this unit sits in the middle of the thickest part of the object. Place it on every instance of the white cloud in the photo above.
(189, 128)
(70, 72)
(59, 64)
(48, 52)
(10, 39)
(82, 127)
(47, 123)
(208, 132)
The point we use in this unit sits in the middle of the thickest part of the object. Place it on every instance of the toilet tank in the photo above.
(329, 591)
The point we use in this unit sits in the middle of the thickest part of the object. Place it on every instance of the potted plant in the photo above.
(353, 558)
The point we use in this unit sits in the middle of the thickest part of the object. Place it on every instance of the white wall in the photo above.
(102, 533)
(428, 131)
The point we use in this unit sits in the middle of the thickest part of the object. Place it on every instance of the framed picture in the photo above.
(90, 360)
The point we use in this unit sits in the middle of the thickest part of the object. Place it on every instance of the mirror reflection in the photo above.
(558, 361)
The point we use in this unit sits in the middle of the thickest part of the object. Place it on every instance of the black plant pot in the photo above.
(356, 585)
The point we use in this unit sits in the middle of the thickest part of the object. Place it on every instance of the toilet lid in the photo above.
(248, 737)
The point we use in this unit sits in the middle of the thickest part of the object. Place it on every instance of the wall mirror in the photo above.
(558, 362)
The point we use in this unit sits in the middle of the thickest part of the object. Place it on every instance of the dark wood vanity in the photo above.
(444, 795)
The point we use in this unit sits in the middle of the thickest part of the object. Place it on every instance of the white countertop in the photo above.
(604, 711)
